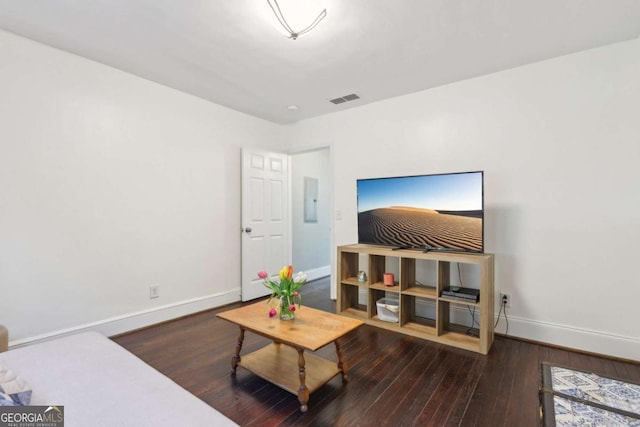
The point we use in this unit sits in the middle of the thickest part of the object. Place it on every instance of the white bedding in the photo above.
(100, 383)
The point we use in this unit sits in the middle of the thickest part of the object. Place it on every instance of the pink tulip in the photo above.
(295, 293)
(292, 307)
(263, 274)
(272, 312)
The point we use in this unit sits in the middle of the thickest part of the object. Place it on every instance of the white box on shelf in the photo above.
(388, 309)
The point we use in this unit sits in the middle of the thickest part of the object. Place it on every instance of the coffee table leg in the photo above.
(342, 365)
(303, 391)
(236, 357)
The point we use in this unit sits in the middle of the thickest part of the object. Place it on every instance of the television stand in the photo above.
(426, 309)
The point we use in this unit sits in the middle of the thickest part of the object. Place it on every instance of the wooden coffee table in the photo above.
(286, 365)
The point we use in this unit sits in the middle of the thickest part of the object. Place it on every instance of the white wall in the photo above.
(110, 183)
(311, 240)
(559, 142)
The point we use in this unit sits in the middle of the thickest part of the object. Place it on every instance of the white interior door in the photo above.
(265, 218)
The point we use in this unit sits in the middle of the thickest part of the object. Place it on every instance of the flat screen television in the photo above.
(430, 212)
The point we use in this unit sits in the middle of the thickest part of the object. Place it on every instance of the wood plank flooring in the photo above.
(394, 380)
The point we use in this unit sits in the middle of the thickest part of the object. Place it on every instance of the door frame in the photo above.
(332, 256)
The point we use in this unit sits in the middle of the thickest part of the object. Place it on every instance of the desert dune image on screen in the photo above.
(436, 211)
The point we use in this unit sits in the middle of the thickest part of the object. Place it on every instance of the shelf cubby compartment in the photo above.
(465, 335)
(472, 334)
(376, 270)
(349, 267)
(349, 295)
(417, 319)
(378, 294)
(420, 279)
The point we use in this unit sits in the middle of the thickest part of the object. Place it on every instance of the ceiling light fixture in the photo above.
(275, 7)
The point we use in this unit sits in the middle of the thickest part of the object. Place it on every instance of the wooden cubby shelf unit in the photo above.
(358, 299)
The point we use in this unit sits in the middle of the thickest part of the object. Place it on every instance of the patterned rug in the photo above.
(576, 398)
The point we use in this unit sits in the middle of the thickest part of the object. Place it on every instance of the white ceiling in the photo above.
(228, 52)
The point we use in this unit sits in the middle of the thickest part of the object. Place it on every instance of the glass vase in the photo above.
(285, 313)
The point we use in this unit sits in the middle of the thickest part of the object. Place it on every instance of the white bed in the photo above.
(100, 383)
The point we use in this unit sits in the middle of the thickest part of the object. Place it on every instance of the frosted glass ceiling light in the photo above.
(297, 12)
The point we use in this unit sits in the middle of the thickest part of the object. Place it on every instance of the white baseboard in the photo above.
(318, 273)
(127, 322)
(550, 333)
(571, 337)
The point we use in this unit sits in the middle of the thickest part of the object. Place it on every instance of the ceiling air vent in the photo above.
(345, 98)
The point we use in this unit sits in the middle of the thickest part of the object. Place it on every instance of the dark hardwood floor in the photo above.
(394, 380)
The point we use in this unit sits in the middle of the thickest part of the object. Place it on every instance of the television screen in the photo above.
(432, 212)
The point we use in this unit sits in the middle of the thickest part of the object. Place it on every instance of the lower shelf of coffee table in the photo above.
(278, 364)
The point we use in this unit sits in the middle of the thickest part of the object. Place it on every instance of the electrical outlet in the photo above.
(154, 291)
(505, 299)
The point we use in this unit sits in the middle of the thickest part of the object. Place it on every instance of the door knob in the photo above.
(248, 229)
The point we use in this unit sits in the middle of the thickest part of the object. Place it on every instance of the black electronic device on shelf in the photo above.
(463, 294)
